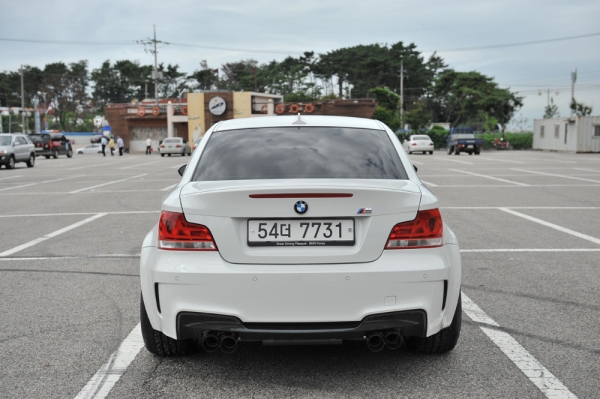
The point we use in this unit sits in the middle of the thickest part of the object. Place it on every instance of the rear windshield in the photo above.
(421, 138)
(172, 141)
(299, 153)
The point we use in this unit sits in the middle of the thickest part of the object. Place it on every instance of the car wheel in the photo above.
(158, 343)
(409, 151)
(430, 152)
(11, 163)
(457, 151)
(444, 341)
(169, 154)
(69, 153)
(476, 152)
(55, 154)
(47, 156)
(31, 161)
(162, 155)
(450, 150)
(470, 152)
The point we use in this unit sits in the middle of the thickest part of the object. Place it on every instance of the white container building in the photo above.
(572, 134)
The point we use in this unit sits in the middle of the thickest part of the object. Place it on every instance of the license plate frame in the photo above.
(300, 242)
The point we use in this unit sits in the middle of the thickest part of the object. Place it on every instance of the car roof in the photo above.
(310, 120)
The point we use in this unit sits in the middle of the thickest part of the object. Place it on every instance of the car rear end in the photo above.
(318, 231)
(172, 146)
(421, 143)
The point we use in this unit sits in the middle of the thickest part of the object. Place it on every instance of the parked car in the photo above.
(16, 147)
(419, 143)
(174, 145)
(90, 149)
(51, 145)
(289, 227)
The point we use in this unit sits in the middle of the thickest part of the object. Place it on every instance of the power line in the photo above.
(558, 39)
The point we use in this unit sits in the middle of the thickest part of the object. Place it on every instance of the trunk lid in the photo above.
(225, 207)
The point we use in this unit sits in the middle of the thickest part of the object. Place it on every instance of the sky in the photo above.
(225, 31)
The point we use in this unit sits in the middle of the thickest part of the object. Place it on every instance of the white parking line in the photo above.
(532, 250)
(176, 166)
(91, 166)
(76, 214)
(106, 184)
(521, 207)
(428, 183)
(556, 175)
(498, 160)
(48, 236)
(11, 177)
(139, 164)
(416, 163)
(529, 365)
(588, 170)
(116, 256)
(99, 386)
(41, 182)
(552, 225)
(456, 160)
(491, 177)
(168, 188)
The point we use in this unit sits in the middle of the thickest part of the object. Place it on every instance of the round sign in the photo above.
(217, 106)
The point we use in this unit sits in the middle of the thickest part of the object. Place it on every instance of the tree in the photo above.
(387, 108)
(419, 117)
(580, 109)
(66, 88)
(459, 97)
(123, 82)
(205, 77)
(551, 110)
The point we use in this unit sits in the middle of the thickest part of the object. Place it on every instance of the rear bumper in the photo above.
(191, 325)
(257, 300)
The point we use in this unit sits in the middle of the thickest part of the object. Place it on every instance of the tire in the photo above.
(476, 152)
(47, 156)
(69, 153)
(55, 154)
(11, 163)
(31, 161)
(409, 152)
(430, 152)
(444, 341)
(158, 343)
(162, 155)
(450, 150)
(169, 154)
(470, 152)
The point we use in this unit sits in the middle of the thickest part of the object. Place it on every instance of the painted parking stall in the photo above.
(526, 222)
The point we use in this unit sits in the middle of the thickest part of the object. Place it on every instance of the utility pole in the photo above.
(573, 79)
(401, 93)
(23, 101)
(153, 50)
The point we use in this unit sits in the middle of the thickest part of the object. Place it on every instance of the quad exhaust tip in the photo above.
(212, 340)
(377, 340)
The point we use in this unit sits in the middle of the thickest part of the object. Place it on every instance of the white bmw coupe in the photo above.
(300, 228)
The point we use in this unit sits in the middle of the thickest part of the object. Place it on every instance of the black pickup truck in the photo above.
(51, 145)
(462, 139)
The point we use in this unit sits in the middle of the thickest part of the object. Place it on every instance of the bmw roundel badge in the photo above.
(301, 207)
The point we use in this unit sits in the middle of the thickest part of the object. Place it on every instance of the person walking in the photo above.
(120, 144)
(148, 145)
(104, 142)
(111, 145)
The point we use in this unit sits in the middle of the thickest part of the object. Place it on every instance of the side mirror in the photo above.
(181, 170)
(416, 169)
(16, 143)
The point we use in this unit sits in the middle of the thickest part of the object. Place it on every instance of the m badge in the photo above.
(364, 211)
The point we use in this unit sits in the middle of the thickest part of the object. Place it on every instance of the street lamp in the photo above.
(43, 94)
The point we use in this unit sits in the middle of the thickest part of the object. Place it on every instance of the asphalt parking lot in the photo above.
(529, 228)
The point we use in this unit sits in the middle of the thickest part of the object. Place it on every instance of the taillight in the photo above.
(162, 146)
(414, 144)
(177, 146)
(176, 233)
(425, 231)
(430, 143)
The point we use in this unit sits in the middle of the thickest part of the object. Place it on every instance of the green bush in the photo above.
(518, 141)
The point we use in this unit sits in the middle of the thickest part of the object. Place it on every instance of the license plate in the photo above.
(170, 146)
(470, 146)
(300, 232)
